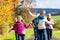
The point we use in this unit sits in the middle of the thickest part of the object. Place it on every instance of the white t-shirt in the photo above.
(41, 24)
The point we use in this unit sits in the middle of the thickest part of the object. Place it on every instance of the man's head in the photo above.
(43, 12)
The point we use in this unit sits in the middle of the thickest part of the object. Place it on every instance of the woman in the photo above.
(49, 26)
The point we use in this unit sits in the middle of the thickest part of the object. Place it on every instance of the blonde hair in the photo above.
(21, 19)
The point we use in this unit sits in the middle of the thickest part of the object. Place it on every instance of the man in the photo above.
(41, 26)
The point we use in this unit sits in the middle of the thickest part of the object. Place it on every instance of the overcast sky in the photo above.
(47, 4)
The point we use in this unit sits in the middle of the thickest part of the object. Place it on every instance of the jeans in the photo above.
(20, 36)
(36, 33)
(42, 34)
(16, 36)
(49, 33)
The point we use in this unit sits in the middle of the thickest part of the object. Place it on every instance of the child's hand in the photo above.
(10, 29)
(32, 25)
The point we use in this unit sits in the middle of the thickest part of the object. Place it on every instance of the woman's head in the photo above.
(43, 12)
(49, 16)
(19, 18)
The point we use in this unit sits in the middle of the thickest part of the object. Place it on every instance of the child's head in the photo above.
(43, 12)
(19, 18)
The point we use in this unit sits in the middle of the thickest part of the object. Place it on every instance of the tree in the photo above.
(6, 14)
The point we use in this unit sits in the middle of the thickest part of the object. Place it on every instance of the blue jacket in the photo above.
(36, 20)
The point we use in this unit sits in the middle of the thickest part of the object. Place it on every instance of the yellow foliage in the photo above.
(6, 11)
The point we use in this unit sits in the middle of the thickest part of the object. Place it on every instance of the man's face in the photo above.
(43, 12)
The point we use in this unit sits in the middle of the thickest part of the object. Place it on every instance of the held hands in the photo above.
(32, 25)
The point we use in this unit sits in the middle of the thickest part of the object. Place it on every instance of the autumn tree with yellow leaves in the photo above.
(6, 14)
(8, 11)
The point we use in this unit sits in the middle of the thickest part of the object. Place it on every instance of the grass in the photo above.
(56, 17)
(56, 33)
(28, 33)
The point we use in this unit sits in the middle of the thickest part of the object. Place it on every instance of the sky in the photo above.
(55, 4)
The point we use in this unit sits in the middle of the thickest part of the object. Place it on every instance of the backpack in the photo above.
(35, 21)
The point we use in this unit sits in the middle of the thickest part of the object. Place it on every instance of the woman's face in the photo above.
(49, 16)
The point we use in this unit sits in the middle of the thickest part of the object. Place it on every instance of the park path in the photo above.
(32, 38)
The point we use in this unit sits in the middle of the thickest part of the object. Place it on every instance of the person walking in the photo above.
(49, 26)
(19, 28)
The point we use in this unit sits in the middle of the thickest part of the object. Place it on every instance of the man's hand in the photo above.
(25, 7)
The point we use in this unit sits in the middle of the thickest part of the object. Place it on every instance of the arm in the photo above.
(27, 26)
(32, 14)
(10, 29)
(50, 22)
(33, 25)
(14, 28)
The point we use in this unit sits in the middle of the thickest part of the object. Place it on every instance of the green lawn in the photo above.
(56, 17)
(28, 33)
(56, 33)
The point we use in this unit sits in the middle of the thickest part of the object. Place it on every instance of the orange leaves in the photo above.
(16, 2)
(5, 12)
(7, 8)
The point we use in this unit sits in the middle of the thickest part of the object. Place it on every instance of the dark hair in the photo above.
(48, 19)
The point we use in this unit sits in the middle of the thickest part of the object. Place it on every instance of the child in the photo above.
(19, 27)
(49, 26)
